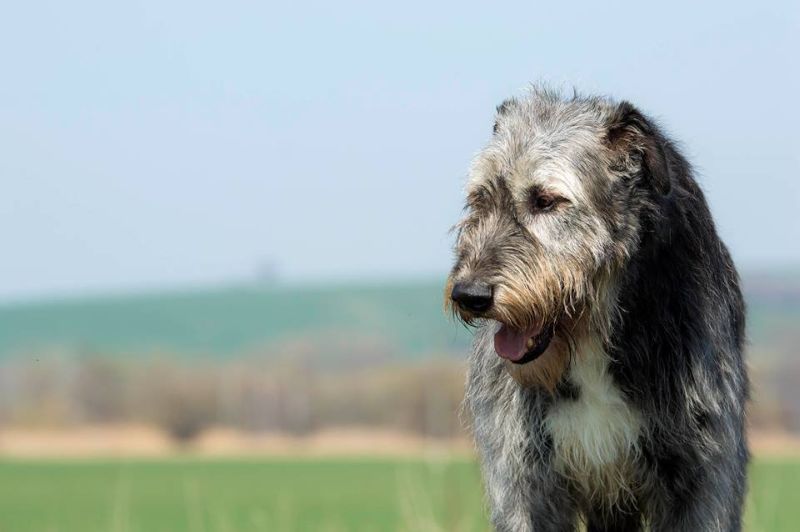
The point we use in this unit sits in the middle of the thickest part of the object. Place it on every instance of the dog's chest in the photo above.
(595, 435)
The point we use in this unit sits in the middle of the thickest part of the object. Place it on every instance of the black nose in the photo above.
(473, 296)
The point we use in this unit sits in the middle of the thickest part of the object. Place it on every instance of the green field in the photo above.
(290, 495)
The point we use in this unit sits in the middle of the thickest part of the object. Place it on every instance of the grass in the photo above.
(194, 495)
(239, 495)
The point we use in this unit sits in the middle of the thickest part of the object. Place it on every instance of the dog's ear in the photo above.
(634, 138)
(502, 109)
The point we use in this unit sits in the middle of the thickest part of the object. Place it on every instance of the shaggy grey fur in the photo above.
(583, 219)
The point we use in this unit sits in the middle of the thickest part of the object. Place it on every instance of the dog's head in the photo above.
(554, 209)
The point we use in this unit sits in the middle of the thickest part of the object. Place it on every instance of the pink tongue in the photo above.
(511, 344)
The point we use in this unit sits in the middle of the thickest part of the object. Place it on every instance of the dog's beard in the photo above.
(539, 301)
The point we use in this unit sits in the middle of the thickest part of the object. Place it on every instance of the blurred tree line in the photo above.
(185, 396)
(295, 393)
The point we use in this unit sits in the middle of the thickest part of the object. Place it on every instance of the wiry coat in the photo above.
(634, 416)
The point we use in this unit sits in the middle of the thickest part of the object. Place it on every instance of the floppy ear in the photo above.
(633, 137)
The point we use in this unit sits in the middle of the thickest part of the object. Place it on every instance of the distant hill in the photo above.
(403, 319)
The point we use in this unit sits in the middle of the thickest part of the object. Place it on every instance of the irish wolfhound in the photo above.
(606, 383)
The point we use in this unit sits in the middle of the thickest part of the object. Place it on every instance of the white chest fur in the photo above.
(595, 436)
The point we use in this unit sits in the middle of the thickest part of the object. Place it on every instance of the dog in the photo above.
(606, 384)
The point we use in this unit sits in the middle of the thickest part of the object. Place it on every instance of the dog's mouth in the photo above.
(521, 347)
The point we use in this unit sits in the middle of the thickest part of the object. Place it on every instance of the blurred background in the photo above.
(225, 238)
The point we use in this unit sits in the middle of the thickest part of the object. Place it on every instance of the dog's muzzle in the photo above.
(473, 296)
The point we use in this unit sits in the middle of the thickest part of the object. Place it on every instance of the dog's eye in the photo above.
(542, 202)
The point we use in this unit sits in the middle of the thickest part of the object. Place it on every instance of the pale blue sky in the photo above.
(160, 143)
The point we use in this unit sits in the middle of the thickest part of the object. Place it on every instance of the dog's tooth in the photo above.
(530, 343)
